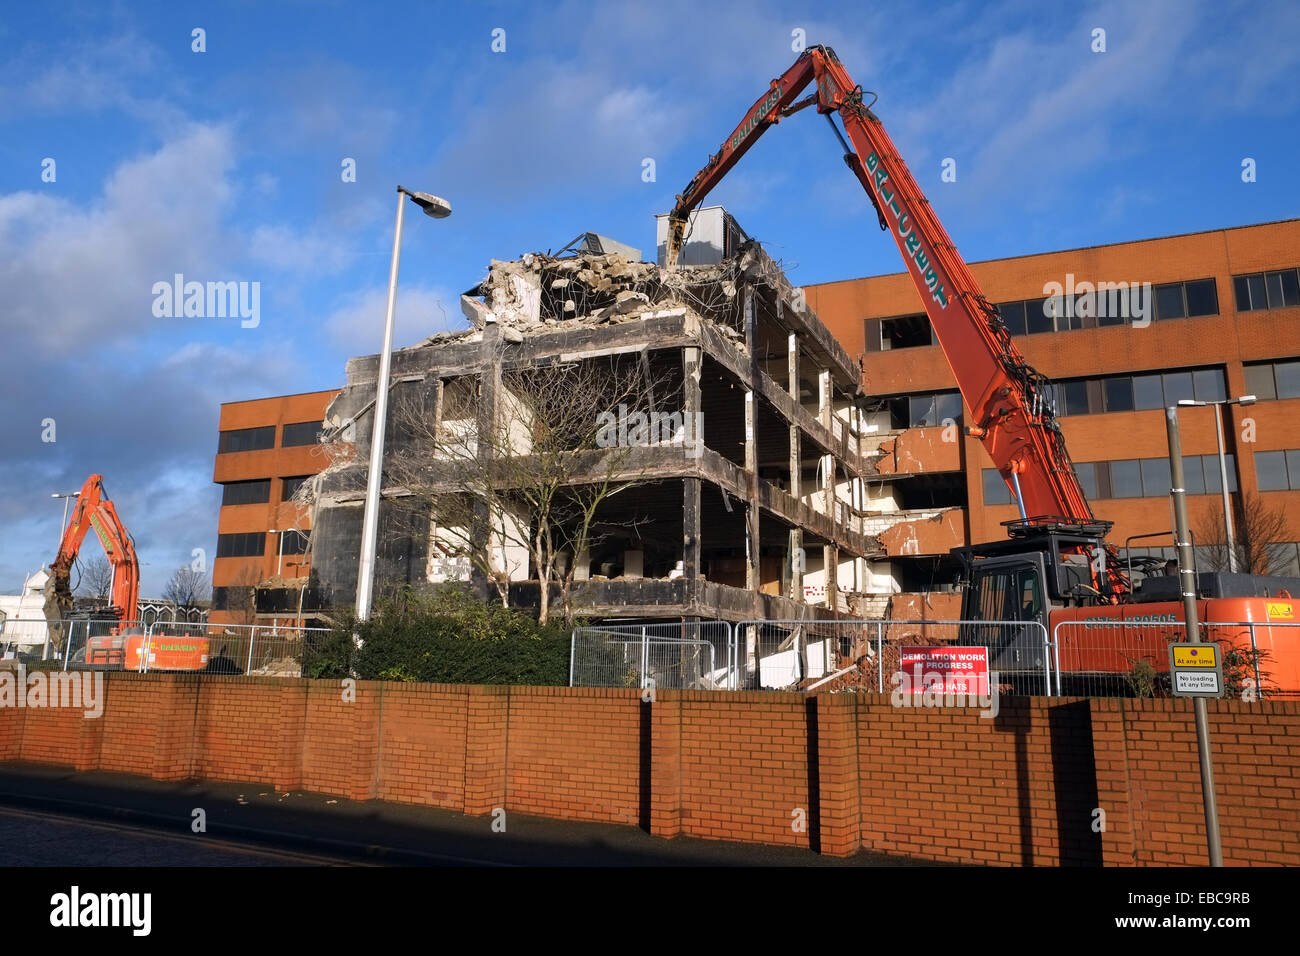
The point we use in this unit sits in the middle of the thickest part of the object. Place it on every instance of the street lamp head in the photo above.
(1247, 400)
(433, 206)
(1189, 401)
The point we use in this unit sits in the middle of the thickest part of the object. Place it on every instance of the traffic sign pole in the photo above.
(1187, 580)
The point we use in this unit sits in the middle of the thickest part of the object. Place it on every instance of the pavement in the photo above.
(58, 817)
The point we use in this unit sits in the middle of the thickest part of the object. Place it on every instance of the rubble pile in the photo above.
(539, 292)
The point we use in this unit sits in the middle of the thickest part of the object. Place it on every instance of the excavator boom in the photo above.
(95, 510)
(1011, 409)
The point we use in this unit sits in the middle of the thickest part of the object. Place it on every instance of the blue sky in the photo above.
(225, 166)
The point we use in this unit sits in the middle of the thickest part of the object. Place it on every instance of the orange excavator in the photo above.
(127, 645)
(1057, 566)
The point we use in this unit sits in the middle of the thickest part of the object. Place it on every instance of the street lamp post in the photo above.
(437, 209)
(1223, 468)
(63, 527)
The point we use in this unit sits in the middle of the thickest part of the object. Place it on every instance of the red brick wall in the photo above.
(857, 772)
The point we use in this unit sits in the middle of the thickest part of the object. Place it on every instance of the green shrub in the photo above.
(447, 637)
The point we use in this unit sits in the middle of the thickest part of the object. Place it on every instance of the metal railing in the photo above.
(256, 650)
(143, 646)
(1098, 658)
(691, 655)
(778, 655)
(793, 655)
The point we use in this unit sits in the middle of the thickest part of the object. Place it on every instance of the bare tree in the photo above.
(96, 579)
(1261, 536)
(187, 588)
(241, 594)
(531, 478)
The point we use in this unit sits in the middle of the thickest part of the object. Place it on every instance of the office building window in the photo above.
(246, 439)
(252, 544)
(292, 542)
(300, 433)
(246, 492)
(1277, 470)
(1126, 393)
(926, 409)
(289, 486)
(1013, 317)
(996, 491)
(1202, 298)
(1267, 290)
(905, 332)
(1268, 380)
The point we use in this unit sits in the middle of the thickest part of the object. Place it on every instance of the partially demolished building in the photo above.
(749, 501)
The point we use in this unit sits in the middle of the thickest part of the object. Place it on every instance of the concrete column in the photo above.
(489, 378)
(691, 565)
(796, 470)
(753, 568)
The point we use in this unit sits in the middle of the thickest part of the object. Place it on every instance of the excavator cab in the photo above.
(1013, 586)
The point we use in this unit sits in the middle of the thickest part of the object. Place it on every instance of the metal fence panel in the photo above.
(1131, 658)
(784, 655)
(255, 650)
(682, 655)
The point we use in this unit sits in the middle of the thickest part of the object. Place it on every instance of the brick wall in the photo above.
(834, 773)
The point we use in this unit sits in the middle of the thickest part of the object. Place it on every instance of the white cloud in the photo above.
(74, 271)
(357, 325)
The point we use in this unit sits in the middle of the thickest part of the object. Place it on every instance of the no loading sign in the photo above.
(1197, 670)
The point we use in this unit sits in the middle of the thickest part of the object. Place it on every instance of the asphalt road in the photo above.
(55, 817)
(29, 838)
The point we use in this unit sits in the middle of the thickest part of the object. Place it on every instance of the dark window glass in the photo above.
(1293, 468)
(1073, 398)
(1155, 477)
(246, 492)
(948, 407)
(1270, 469)
(1125, 479)
(246, 439)
(1291, 286)
(1038, 317)
(921, 411)
(220, 598)
(1274, 282)
(1210, 463)
(1148, 392)
(252, 544)
(1287, 375)
(1169, 301)
(1208, 385)
(905, 332)
(300, 433)
(1241, 291)
(1178, 386)
(1194, 474)
(1088, 478)
(1202, 297)
(899, 415)
(1258, 300)
(1013, 316)
(289, 486)
(996, 491)
(1119, 393)
(1113, 304)
(1259, 382)
(293, 542)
